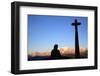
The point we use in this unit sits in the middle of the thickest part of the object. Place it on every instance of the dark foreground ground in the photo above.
(50, 58)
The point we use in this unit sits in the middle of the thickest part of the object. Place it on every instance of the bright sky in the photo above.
(44, 31)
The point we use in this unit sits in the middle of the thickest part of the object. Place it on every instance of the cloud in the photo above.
(65, 51)
(40, 53)
(70, 52)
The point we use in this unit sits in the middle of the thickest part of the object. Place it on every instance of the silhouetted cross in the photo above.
(76, 23)
(77, 51)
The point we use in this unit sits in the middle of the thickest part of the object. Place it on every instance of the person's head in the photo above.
(56, 46)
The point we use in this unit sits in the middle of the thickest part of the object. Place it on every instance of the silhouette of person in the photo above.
(55, 53)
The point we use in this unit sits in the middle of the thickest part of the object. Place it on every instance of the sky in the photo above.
(44, 31)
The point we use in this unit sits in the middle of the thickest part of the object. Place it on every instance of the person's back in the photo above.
(55, 53)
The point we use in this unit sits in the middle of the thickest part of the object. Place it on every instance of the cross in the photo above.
(77, 51)
(76, 23)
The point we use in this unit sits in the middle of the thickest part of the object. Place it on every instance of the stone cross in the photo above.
(77, 50)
